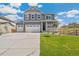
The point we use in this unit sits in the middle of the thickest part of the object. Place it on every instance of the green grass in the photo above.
(55, 45)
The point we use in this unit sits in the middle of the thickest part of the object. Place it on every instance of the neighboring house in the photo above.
(5, 25)
(35, 21)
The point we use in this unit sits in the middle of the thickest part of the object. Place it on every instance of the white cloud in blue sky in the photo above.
(70, 13)
(17, 5)
(35, 4)
(66, 13)
(10, 11)
(69, 16)
(32, 4)
(7, 9)
(13, 11)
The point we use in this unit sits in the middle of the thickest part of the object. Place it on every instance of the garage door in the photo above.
(33, 28)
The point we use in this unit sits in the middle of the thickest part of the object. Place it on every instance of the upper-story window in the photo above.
(39, 16)
(48, 17)
(32, 16)
(29, 15)
(25, 16)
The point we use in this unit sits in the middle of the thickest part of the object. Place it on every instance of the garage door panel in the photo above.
(33, 28)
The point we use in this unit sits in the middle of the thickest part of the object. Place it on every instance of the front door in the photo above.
(44, 26)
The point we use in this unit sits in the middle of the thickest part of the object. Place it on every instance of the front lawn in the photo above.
(57, 45)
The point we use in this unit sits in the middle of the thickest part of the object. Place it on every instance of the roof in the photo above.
(3, 21)
(4, 18)
(32, 9)
(48, 14)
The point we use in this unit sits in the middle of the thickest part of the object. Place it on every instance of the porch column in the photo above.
(46, 26)
(41, 27)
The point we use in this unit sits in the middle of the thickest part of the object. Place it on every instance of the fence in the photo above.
(69, 31)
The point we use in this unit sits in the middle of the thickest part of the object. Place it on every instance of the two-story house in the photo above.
(35, 21)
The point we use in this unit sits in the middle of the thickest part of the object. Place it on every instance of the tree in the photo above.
(55, 25)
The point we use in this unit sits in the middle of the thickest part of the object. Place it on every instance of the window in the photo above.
(48, 17)
(25, 16)
(29, 15)
(39, 16)
(32, 16)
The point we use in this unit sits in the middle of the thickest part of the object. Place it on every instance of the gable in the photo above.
(32, 10)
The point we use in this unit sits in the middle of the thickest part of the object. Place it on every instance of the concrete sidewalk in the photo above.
(20, 44)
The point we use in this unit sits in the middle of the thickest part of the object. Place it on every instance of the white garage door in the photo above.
(33, 28)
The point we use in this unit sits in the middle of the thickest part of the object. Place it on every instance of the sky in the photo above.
(65, 12)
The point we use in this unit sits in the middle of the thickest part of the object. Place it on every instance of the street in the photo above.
(20, 44)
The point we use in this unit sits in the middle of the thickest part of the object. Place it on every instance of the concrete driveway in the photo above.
(20, 44)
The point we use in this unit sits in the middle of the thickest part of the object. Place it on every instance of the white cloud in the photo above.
(73, 12)
(60, 20)
(35, 4)
(69, 14)
(61, 13)
(1, 6)
(17, 5)
(19, 11)
(7, 9)
(39, 6)
(32, 4)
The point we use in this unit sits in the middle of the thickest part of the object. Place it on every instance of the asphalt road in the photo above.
(20, 44)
